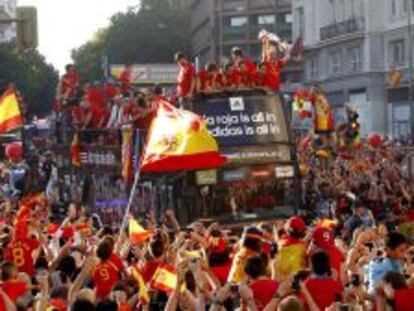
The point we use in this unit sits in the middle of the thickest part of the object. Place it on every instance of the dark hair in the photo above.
(253, 243)
(7, 269)
(157, 247)
(83, 305)
(60, 292)
(105, 249)
(395, 239)
(107, 305)
(179, 56)
(321, 263)
(157, 89)
(69, 66)
(67, 267)
(254, 267)
(210, 67)
(41, 263)
(396, 280)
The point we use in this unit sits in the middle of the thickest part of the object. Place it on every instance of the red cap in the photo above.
(295, 223)
(14, 151)
(323, 237)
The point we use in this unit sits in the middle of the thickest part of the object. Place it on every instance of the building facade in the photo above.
(220, 25)
(8, 30)
(351, 48)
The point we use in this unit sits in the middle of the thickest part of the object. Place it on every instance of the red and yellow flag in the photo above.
(179, 140)
(10, 117)
(143, 295)
(75, 150)
(165, 278)
(137, 233)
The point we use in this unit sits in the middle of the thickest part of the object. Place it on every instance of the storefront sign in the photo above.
(285, 171)
(206, 177)
(237, 175)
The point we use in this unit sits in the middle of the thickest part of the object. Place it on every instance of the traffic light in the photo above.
(27, 37)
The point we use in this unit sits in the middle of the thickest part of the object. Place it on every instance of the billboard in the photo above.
(249, 129)
(149, 73)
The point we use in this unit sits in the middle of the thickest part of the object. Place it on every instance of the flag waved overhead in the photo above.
(179, 140)
(10, 117)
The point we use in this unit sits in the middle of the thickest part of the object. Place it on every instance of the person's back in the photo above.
(396, 247)
(323, 288)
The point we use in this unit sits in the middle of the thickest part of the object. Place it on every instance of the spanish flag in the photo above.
(143, 295)
(165, 278)
(10, 117)
(179, 140)
(137, 233)
(75, 151)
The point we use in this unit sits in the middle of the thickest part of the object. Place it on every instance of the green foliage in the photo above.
(150, 34)
(32, 76)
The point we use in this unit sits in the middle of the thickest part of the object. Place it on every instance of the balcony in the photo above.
(342, 28)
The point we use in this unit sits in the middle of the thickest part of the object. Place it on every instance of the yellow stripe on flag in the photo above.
(10, 117)
(143, 290)
(137, 233)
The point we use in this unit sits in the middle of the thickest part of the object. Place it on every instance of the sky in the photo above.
(67, 24)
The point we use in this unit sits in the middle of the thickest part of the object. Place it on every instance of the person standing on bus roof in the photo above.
(186, 79)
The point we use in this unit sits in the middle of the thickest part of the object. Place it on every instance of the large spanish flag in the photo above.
(10, 117)
(179, 140)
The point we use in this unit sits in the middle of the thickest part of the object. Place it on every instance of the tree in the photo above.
(150, 34)
(33, 77)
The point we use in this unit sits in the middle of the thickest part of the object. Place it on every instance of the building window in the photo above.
(313, 68)
(355, 58)
(336, 62)
(393, 7)
(397, 52)
(266, 20)
(238, 21)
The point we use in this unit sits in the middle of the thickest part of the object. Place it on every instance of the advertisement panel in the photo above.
(149, 73)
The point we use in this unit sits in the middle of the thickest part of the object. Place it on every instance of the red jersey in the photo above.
(14, 289)
(125, 80)
(222, 272)
(20, 252)
(404, 299)
(273, 68)
(185, 79)
(263, 291)
(324, 290)
(69, 83)
(233, 78)
(105, 276)
(205, 80)
(149, 269)
(248, 73)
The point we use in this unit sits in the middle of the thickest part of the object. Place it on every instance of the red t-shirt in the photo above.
(14, 289)
(125, 80)
(248, 74)
(222, 272)
(105, 276)
(404, 299)
(233, 78)
(20, 252)
(205, 80)
(263, 290)
(273, 68)
(185, 79)
(69, 83)
(149, 269)
(324, 290)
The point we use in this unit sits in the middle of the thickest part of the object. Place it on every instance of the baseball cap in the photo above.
(295, 223)
(323, 237)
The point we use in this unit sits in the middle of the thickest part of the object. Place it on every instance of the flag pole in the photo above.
(130, 200)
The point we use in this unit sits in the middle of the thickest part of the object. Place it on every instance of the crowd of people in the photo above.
(350, 250)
